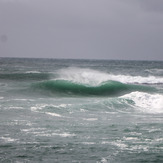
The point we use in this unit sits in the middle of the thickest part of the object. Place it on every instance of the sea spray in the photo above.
(96, 77)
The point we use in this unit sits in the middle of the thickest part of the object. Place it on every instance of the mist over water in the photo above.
(81, 111)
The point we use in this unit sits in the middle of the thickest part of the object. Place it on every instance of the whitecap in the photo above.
(88, 143)
(53, 114)
(1, 98)
(32, 72)
(65, 134)
(90, 119)
(15, 107)
(23, 100)
(137, 79)
(151, 103)
(130, 138)
(119, 144)
(155, 71)
(8, 139)
(105, 142)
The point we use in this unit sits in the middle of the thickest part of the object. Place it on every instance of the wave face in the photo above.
(68, 87)
(83, 81)
(75, 81)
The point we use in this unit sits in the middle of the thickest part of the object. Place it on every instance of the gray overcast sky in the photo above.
(88, 29)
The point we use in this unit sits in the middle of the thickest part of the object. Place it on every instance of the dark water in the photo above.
(81, 111)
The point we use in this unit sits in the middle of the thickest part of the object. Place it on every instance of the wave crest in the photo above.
(94, 77)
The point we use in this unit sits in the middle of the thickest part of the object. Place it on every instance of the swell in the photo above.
(108, 88)
(25, 76)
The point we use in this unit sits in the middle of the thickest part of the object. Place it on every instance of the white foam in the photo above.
(33, 129)
(53, 114)
(154, 130)
(130, 138)
(15, 107)
(23, 100)
(88, 143)
(152, 103)
(65, 134)
(8, 139)
(155, 71)
(32, 72)
(43, 106)
(105, 142)
(1, 98)
(159, 140)
(83, 110)
(94, 77)
(90, 119)
(42, 109)
(137, 79)
(103, 160)
(120, 144)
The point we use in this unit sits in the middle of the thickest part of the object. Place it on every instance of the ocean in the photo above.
(81, 111)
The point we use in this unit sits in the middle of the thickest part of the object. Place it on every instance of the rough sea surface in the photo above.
(81, 111)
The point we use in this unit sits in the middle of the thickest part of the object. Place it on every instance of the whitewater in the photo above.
(60, 110)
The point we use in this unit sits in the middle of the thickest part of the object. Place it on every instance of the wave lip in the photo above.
(94, 77)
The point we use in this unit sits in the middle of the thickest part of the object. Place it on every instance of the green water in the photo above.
(81, 111)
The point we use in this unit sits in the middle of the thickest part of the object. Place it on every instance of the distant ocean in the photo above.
(87, 111)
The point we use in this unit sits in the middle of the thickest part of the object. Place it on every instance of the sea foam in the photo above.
(151, 103)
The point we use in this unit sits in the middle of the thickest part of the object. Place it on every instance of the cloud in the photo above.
(152, 5)
(82, 29)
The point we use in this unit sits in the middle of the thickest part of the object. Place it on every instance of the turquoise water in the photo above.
(81, 111)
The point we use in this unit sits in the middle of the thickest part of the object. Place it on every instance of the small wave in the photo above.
(1, 98)
(8, 139)
(32, 72)
(151, 103)
(53, 114)
(52, 110)
(107, 88)
(155, 71)
(90, 119)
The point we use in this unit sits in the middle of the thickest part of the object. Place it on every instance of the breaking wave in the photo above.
(80, 81)
(151, 103)
(110, 87)
(82, 75)
(94, 77)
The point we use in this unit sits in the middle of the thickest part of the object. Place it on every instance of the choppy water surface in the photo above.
(81, 111)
